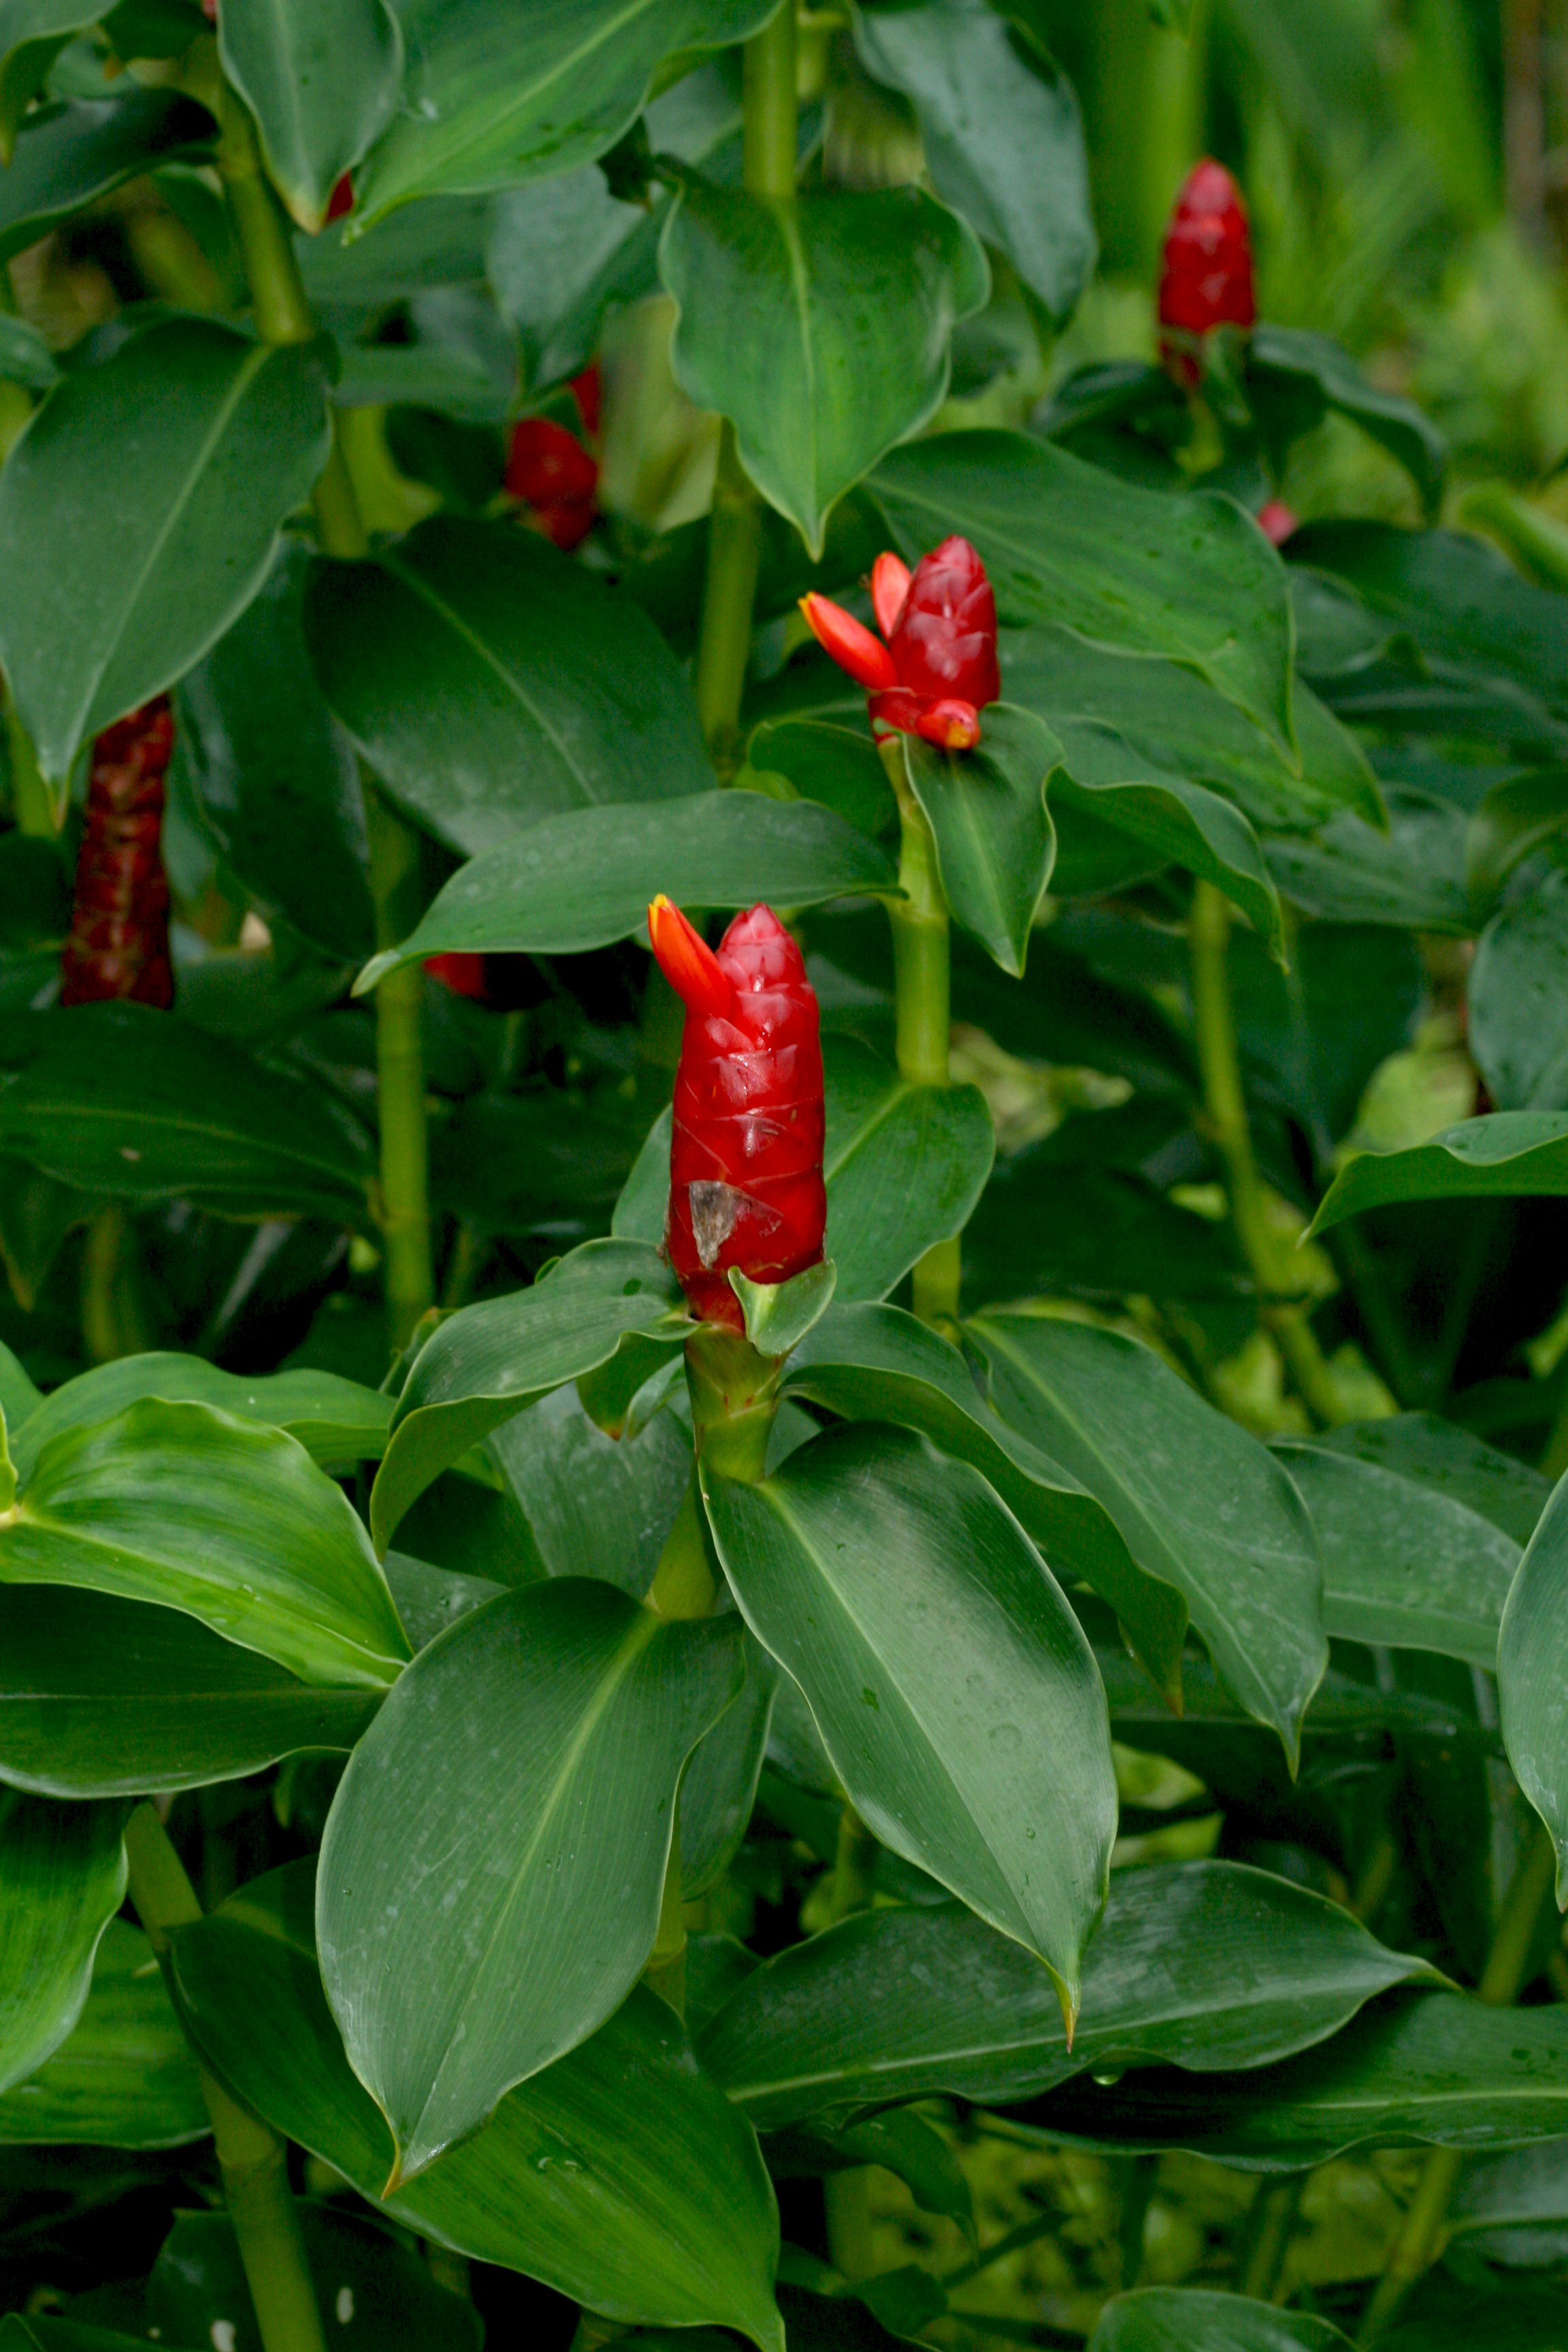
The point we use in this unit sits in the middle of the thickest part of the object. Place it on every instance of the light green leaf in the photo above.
(1200, 1503)
(959, 1701)
(1532, 1685)
(62, 1879)
(1514, 1154)
(322, 79)
(68, 156)
(995, 843)
(187, 1506)
(125, 2077)
(780, 1314)
(113, 580)
(507, 1820)
(1197, 2319)
(853, 296)
(334, 1419)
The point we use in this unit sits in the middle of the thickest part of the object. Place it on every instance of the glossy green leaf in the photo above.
(1450, 1462)
(430, 1598)
(1520, 1154)
(482, 1366)
(586, 879)
(853, 295)
(1203, 1965)
(488, 103)
(1516, 1029)
(187, 1506)
(1403, 1565)
(375, 2290)
(147, 564)
(62, 1879)
(334, 1420)
(1531, 1677)
(32, 35)
(959, 1702)
(274, 778)
(835, 764)
(550, 1729)
(1411, 872)
(322, 79)
(103, 1698)
(1197, 2319)
(620, 2176)
(563, 253)
(778, 1315)
(719, 1787)
(125, 1100)
(1132, 570)
(596, 1506)
(995, 843)
(70, 155)
(877, 1363)
(1042, 1228)
(1306, 374)
(491, 682)
(1003, 138)
(1200, 1503)
(125, 2077)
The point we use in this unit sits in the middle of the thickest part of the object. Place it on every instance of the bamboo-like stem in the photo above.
(922, 998)
(283, 315)
(252, 2160)
(1272, 2219)
(1219, 1060)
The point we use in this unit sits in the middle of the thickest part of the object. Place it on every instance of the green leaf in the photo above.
(1194, 2319)
(904, 1166)
(124, 2077)
(376, 2288)
(1045, 1227)
(719, 1787)
(125, 1100)
(563, 254)
(1002, 137)
(24, 357)
(1200, 1503)
(1132, 570)
(187, 1506)
(114, 579)
(491, 682)
(489, 104)
(877, 1363)
(274, 778)
(959, 1702)
(1450, 1461)
(1411, 872)
(1516, 1030)
(550, 1728)
(1312, 1038)
(62, 1879)
(852, 294)
(1203, 1965)
(32, 35)
(596, 1506)
(995, 843)
(68, 156)
(1403, 1565)
(1531, 1684)
(1306, 374)
(321, 81)
(430, 1598)
(584, 879)
(449, 378)
(837, 765)
(438, 242)
(780, 1314)
(1515, 819)
(491, 1361)
(1505, 1154)
(620, 2176)
(335, 1419)
(103, 1698)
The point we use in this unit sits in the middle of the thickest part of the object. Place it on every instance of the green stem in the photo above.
(922, 996)
(854, 1866)
(252, 2160)
(1272, 2219)
(846, 2200)
(32, 803)
(283, 315)
(735, 526)
(1502, 1980)
(1208, 938)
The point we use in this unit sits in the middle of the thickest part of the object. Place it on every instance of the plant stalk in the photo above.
(252, 2160)
(923, 997)
(283, 315)
(32, 803)
(1502, 1980)
(769, 138)
(1208, 938)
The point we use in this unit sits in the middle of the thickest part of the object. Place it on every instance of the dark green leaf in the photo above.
(586, 879)
(719, 1784)
(62, 1879)
(334, 1420)
(69, 156)
(1451, 1461)
(421, 375)
(836, 765)
(959, 1702)
(995, 843)
(1520, 1154)
(1515, 818)
(1413, 874)
(1313, 1037)
(1131, 570)
(1194, 2319)
(24, 357)
(620, 2176)
(1518, 1028)
(32, 35)
(491, 682)
(563, 254)
(1291, 361)
(853, 295)
(374, 2290)
(321, 81)
(1200, 1503)
(1042, 1228)
(596, 1506)
(186, 1507)
(125, 2077)
(904, 1165)
(1531, 1687)
(115, 579)
(430, 1598)
(441, 242)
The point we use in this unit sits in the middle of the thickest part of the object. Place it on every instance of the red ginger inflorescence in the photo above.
(1206, 279)
(119, 940)
(745, 1158)
(549, 469)
(937, 670)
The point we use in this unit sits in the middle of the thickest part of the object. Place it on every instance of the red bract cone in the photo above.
(119, 940)
(938, 669)
(461, 971)
(1206, 279)
(549, 469)
(745, 1160)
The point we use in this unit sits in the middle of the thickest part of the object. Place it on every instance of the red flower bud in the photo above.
(342, 199)
(1207, 281)
(461, 971)
(1275, 520)
(938, 669)
(745, 1158)
(549, 469)
(588, 391)
(118, 945)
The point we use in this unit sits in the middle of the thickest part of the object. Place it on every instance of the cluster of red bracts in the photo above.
(553, 474)
(119, 940)
(745, 1157)
(937, 669)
